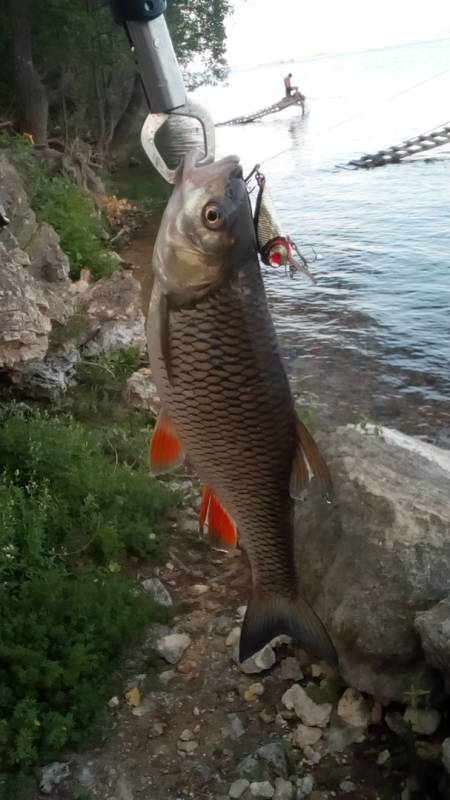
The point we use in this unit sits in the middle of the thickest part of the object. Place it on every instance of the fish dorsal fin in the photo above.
(166, 450)
(308, 463)
(222, 529)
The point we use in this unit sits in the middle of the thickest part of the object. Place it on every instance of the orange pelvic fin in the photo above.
(166, 450)
(222, 529)
(309, 462)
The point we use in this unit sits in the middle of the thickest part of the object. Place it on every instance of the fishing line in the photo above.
(364, 111)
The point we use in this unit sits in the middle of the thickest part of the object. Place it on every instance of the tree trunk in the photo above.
(126, 122)
(31, 92)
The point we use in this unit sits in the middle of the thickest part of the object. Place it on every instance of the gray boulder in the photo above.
(114, 308)
(48, 262)
(433, 627)
(379, 556)
(14, 199)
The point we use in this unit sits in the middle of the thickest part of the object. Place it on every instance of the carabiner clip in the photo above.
(154, 122)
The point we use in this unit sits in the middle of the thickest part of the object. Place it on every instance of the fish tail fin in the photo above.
(271, 615)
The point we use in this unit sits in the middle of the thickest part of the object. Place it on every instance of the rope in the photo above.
(365, 110)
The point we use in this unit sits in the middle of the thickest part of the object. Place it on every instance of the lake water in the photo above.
(372, 337)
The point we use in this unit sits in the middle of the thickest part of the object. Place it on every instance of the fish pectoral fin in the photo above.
(309, 462)
(166, 450)
(222, 529)
(270, 615)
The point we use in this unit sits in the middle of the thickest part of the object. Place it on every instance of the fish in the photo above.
(226, 400)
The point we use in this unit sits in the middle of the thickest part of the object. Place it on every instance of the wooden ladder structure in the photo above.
(418, 144)
(285, 102)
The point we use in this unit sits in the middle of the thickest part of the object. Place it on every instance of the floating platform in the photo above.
(286, 102)
(410, 147)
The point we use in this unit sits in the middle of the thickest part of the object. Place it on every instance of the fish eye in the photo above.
(212, 216)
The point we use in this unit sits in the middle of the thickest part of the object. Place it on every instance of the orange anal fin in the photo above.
(222, 529)
(309, 462)
(166, 450)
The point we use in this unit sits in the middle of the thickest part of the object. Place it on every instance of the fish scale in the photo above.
(223, 386)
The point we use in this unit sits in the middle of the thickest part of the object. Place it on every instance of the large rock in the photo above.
(142, 391)
(379, 555)
(24, 323)
(14, 199)
(50, 376)
(113, 307)
(48, 262)
(433, 627)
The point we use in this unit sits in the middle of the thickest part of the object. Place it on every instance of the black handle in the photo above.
(137, 10)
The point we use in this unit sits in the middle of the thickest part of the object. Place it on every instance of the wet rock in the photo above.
(446, 754)
(253, 692)
(433, 627)
(262, 789)
(354, 709)
(388, 535)
(307, 710)
(113, 309)
(304, 787)
(290, 670)
(158, 591)
(172, 646)
(304, 736)
(238, 788)
(284, 790)
(424, 721)
(54, 774)
(142, 391)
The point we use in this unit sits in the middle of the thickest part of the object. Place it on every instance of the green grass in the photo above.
(76, 500)
(57, 200)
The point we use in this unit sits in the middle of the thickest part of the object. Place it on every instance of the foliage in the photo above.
(68, 516)
(58, 201)
(86, 64)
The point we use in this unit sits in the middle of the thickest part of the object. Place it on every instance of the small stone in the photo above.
(133, 696)
(304, 787)
(354, 709)
(156, 730)
(290, 670)
(114, 702)
(284, 790)
(167, 675)
(274, 754)
(158, 591)
(396, 723)
(240, 613)
(187, 747)
(428, 751)
(322, 670)
(53, 774)
(246, 768)
(424, 721)
(307, 710)
(236, 728)
(266, 717)
(199, 588)
(383, 757)
(262, 789)
(86, 777)
(253, 692)
(305, 736)
(233, 637)
(347, 786)
(186, 735)
(312, 757)
(446, 754)
(340, 736)
(260, 662)
(238, 788)
(172, 646)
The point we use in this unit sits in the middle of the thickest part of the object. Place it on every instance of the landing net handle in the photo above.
(149, 37)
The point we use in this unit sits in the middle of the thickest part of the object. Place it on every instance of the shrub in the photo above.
(68, 514)
(58, 201)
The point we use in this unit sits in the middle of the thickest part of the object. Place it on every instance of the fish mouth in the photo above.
(224, 169)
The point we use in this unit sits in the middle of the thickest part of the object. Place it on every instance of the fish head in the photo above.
(207, 229)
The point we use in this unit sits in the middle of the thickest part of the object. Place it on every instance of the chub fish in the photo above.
(226, 401)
